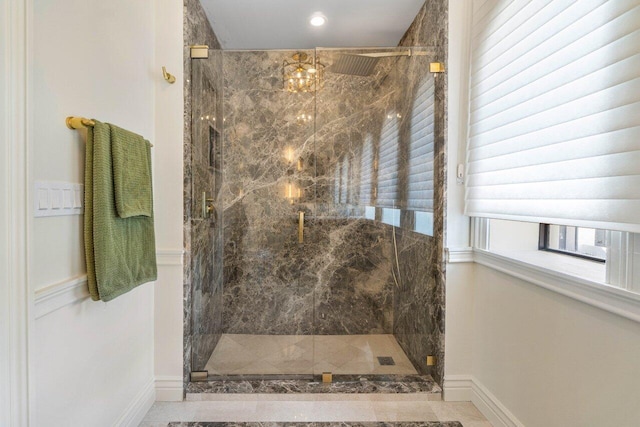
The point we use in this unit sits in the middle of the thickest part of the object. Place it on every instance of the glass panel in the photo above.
(205, 174)
(582, 241)
(292, 270)
(374, 147)
(266, 194)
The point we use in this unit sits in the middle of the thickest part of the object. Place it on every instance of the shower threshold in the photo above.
(345, 384)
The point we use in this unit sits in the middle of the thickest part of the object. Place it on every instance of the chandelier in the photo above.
(302, 73)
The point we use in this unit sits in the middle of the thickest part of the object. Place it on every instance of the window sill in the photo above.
(539, 270)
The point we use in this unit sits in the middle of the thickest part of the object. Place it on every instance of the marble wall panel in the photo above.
(274, 166)
(273, 169)
(420, 304)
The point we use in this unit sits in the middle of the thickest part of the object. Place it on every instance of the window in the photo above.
(366, 172)
(420, 180)
(554, 126)
(388, 163)
(588, 243)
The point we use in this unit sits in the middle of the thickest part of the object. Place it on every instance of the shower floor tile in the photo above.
(244, 354)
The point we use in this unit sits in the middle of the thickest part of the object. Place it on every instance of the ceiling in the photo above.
(284, 24)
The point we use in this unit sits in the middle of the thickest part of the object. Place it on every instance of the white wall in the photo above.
(169, 171)
(551, 360)
(459, 283)
(94, 362)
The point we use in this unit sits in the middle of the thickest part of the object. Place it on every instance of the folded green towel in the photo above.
(131, 173)
(120, 252)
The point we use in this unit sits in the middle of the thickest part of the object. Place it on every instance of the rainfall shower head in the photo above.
(355, 65)
(361, 64)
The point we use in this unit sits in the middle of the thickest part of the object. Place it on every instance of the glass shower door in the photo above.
(374, 144)
(264, 314)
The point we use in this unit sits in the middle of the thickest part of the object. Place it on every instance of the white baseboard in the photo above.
(140, 405)
(457, 388)
(464, 388)
(497, 414)
(169, 389)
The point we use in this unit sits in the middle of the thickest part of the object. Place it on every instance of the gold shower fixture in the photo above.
(302, 73)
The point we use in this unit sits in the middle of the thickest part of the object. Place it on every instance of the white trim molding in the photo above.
(608, 298)
(169, 257)
(491, 407)
(459, 255)
(16, 387)
(467, 388)
(457, 388)
(169, 388)
(74, 290)
(58, 295)
(139, 406)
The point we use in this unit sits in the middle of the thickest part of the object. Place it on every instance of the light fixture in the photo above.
(302, 73)
(318, 19)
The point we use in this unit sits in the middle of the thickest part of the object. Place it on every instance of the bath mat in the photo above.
(320, 424)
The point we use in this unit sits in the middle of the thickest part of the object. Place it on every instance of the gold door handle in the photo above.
(301, 227)
(207, 205)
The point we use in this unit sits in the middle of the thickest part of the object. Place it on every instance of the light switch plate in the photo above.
(54, 198)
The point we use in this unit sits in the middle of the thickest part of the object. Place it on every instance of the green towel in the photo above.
(120, 252)
(131, 173)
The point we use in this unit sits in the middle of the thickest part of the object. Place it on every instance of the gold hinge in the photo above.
(199, 51)
(327, 377)
(199, 375)
(436, 67)
(431, 360)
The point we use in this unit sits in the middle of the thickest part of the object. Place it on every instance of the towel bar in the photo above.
(74, 122)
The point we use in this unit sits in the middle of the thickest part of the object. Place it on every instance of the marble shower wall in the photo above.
(419, 301)
(338, 281)
(202, 236)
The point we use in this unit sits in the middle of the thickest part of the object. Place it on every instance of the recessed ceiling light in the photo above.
(317, 19)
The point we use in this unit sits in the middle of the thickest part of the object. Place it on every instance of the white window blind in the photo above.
(366, 172)
(388, 163)
(420, 180)
(345, 181)
(554, 131)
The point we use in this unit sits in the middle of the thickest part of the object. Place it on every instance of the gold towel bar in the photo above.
(80, 123)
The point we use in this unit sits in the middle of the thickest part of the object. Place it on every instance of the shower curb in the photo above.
(365, 384)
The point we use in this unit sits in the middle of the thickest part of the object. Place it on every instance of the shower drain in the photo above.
(386, 361)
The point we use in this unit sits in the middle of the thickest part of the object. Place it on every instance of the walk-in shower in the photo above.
(311, 214)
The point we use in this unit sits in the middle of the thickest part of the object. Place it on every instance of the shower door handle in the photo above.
(301, 227)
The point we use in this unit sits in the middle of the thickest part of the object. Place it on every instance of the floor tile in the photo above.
(303, 354)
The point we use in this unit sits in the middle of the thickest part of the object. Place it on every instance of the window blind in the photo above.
(420, 179)
(388, 163)
(366, 172)
(554, 129)
(345, 181)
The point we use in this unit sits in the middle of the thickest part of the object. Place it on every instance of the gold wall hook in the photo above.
(168, 77)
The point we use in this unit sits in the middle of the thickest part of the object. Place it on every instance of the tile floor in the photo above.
(314, 407)
(304, 354)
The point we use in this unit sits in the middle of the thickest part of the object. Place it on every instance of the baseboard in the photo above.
(140, 405)
(457, 388)
(169, 388)
(497, 414)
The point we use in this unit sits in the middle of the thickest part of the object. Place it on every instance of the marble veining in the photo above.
(338, 281)
(353, 384)
(420, 304)
(245, 271)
